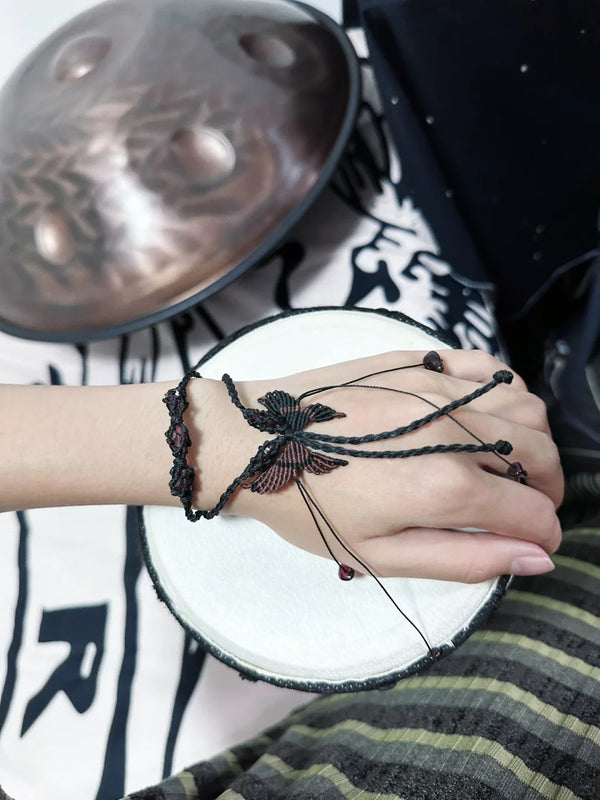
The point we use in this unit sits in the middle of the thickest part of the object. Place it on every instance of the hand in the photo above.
(404, 516)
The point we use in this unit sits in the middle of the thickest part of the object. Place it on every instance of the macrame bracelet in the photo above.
(280, 461)
(178, 438)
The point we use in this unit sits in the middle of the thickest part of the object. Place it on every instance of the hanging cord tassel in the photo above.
(310, 501)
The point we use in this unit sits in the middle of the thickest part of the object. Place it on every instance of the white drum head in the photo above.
(271, 610)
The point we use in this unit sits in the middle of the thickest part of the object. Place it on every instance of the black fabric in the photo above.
(500, 102)
(571, 385)
(497, 105)
(350, 13)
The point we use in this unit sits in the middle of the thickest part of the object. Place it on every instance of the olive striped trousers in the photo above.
(513, 714)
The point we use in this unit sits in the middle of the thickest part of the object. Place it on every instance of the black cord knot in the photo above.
(503, 376)
(503, 448)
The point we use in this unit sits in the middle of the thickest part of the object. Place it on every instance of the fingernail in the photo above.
(531, 565)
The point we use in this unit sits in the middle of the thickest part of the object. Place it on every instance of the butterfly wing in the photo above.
(320, 413)
(320, 464)
(279, 474)
(293, 457)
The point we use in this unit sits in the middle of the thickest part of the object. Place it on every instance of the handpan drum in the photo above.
(153, 150)
(275, 612)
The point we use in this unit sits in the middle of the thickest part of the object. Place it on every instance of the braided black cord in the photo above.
(502, 376)
(233, 393)
(259, 461)
(321, 441)
(354, 385)
(182, 474)
(500, 446)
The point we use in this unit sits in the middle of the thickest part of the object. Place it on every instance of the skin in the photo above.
(94, 445)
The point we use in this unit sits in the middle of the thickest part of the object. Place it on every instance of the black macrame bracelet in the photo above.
(280, 460)
(178, 439)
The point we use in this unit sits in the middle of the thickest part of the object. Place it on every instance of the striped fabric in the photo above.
(513, 714)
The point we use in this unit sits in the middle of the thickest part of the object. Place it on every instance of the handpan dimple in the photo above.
(152, 150)
(206, 153)
(53, 238)
(80, 57)
(268, 50)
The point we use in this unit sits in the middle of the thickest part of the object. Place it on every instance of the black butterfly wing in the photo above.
(320, 413)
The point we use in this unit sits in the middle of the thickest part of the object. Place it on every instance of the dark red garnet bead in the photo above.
(517, 471)
(345, 573)
(177, 436)
(433, 362)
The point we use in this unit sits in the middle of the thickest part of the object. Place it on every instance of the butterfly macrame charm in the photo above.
(284, 457)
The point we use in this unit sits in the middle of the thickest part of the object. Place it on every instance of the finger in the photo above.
(456, 474)
(477, 366)
(500, 506)
(453, 555)
(521, 511)
(533, 449)
(503, 401)
(510, 401)
(419, 394)
(543, 471)
(473, 365)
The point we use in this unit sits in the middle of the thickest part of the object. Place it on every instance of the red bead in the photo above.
(516, 471)
(433, 362)
(345, 573)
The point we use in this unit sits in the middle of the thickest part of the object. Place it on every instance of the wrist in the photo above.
(222, 443)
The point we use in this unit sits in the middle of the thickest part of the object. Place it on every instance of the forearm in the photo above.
(95, 445)
(83, 445)
(404, 516)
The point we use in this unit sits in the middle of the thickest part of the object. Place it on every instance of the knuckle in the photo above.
(486, 360)
(553, 457)
(548, 461)
(537, 413)
(492, 364)
(517, 382)
(453, 480)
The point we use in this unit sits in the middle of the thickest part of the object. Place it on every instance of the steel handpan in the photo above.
(152, 150)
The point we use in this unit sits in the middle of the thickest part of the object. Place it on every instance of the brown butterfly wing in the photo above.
(320, 464)
(293, 458)
(279, 474)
